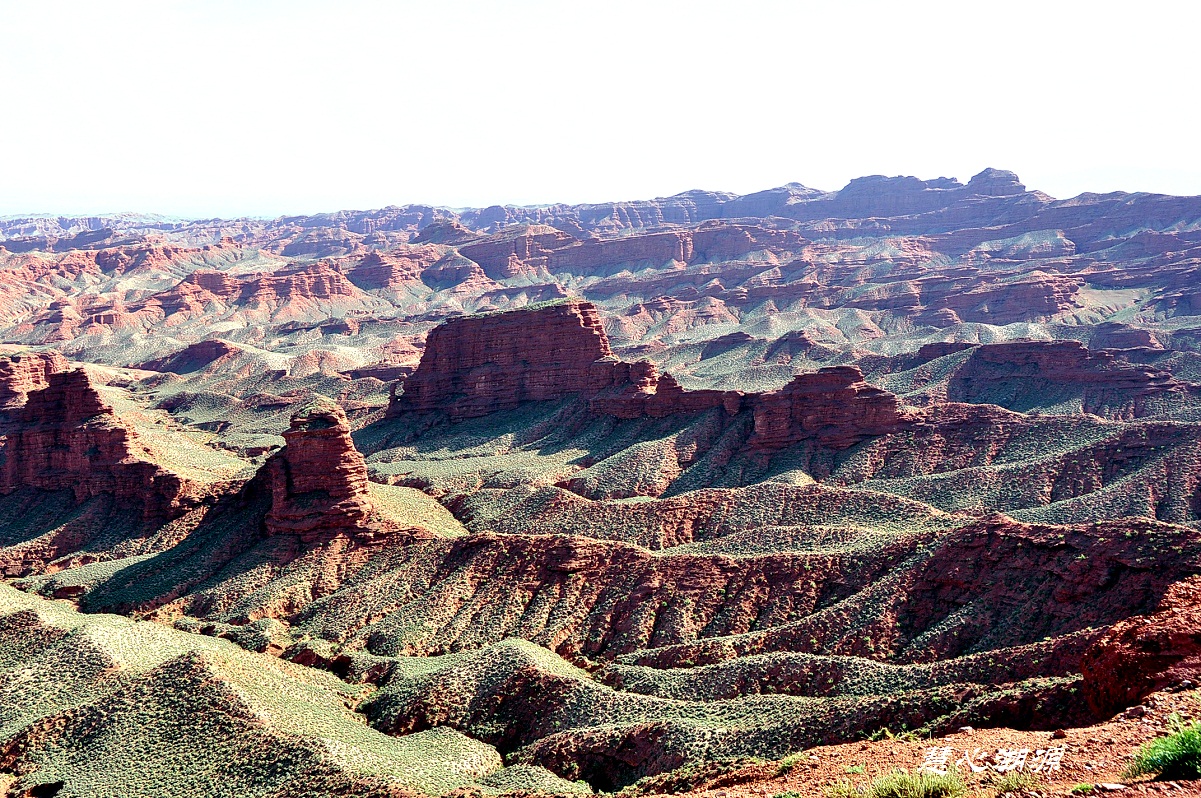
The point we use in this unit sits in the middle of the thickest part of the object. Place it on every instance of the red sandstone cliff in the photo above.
(1024, 374)
(476, 365)
(833, 405)
(195, 292)
(67, 438)
(1140, 655)
(21, 374)
(394, 270)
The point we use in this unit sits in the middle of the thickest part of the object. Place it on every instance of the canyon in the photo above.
(576, 498)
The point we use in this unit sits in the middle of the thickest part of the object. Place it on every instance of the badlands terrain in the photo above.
(644, 496)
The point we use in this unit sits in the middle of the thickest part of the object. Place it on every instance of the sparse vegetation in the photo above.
(900, 784)
(1174, 756)
(789, 763)
(1014, 781)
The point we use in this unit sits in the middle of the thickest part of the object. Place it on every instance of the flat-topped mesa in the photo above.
(24, 373)
(318, 481)
(1022, 375)
(832, 405)
(67, 438)
(476, 365)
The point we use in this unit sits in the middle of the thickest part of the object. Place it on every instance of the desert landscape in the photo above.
(711, 494)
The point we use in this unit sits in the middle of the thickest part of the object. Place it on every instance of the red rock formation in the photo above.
(707, 242)
(1122, 336)
(21, 374)
(192, 358)
(1140, 655)
(67, 438)
(1024, 374)
(1037, 296)
(526, 253)
(148, 255)
(394, 270)
(640, 392)
(476, 365)
(832, 405)
(194, 293)
(318, 481)
(318, 281)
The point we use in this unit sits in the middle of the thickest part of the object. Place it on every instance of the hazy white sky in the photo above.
(266, 107)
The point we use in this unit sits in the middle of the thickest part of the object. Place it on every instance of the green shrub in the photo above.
(788, 763)
(1176, 756)
(1083, 789)
(1015, 781)
(900, 784)
(843, 789)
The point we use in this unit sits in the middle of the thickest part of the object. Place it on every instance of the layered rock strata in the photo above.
(1021, 375)
(833, 405)
(476, 365)
(318, 481)
(23, 373)
(1146, 653)
(67, 438)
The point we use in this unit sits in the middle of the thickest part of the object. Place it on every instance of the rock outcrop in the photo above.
(203, 289)
(194, 357)
(832, 405)
(1140, 655)
(318, 481)
(637, 390)
(393, 271)
(476, 365)
(23, 373)
(67, 438)
(1022, 375)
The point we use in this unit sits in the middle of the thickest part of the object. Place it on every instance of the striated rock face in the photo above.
(1122, 336)
(1146, 653)
(21, 374)
(199, 289)
(833, 405)
(1021, 375)
(318, 481)
(67, 438)
(393, 271)
(526, 253)
(637, 390)
(475, 365)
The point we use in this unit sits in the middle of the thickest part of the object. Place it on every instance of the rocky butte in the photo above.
(476, 365)
(318, 481)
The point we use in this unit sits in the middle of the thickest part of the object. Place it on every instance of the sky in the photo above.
(264, 107)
